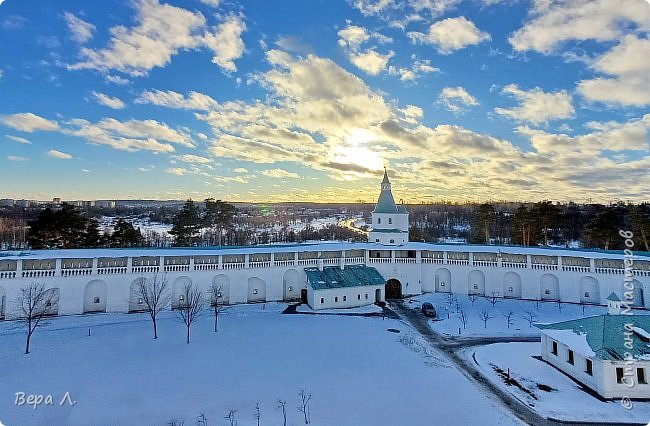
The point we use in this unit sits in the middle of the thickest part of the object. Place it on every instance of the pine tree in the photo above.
(219, 215)
(187, 224)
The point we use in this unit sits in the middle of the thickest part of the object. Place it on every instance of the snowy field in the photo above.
(497, 325)
(358, 372)
(564, 401)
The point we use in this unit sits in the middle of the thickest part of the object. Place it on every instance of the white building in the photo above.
(390, 222)
(342, 286)
(597, 352)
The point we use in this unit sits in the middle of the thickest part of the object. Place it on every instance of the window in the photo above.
(254, 291)
(336, 299)
(290, 288)
(366, 295)
(475, 286)
(377, 240)
(619, 375)
(96, 300)
(547, 291)
(510, 289)
(181, 298)
(378, 221)
(570, 357)
(589, 367)
(322, 300)
(390, 220)
(140, 301)
(640, 376)
(392, 241)
(358, 297)
(442, 284)
(586, 294)
(345, 298)
(554, 348)
(219, 294)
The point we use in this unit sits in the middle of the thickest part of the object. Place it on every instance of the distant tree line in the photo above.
(542, 223)
(68, 228)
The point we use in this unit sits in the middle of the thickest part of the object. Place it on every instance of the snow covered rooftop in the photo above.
(312, 246)
(351, 276)
(603, 335)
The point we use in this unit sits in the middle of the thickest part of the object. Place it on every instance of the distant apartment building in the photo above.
(105, 204)
(6, 202)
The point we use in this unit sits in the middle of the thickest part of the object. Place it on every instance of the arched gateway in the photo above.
(393, 289)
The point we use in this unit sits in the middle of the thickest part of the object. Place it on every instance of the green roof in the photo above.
(385, 203)
(613, 297)
(350, 276)
(605, 334)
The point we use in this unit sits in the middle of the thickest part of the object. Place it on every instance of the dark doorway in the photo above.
(393, 289)
(303, 295)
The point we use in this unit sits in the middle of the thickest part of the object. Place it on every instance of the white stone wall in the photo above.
(348, 297)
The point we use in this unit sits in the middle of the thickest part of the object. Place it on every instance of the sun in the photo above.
(356, 150)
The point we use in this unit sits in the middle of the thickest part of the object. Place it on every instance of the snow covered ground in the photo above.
(358, 372)
(368, 309)
(564, 401)
(497, 325)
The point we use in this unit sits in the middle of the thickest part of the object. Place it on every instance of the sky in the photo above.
(296, 100)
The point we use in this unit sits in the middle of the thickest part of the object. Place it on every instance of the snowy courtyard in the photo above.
(547, 390)
(358, 372)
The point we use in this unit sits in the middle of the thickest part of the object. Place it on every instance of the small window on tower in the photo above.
(390, 220)
(378, 221)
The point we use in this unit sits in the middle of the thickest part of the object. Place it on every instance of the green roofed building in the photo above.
(608, 353)
(390, 222)
(335, 287)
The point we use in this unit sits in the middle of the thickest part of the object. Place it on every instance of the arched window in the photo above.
(378, 221)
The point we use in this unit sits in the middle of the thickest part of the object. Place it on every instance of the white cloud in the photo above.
(537, 106)
(58, 154)
(213, 3)
(1, 73)
(280, 174)
(109, 101)
(629, 84)
(456, 99)
(417, 70)
(18, 139)
(28, 122)
(193, 159)
(81, 31)
(368, 60)
(162, 31)
(240, 170)
(116, 79)
(229, 179)
(226, 43)
(146, 169)
(16, 158)
(553, 23)
(171, 99)
(451, 34)
(178, 171)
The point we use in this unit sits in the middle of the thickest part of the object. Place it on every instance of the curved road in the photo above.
(450, 347)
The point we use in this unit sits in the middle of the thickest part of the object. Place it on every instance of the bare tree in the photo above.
(462, 317)
(201, 420)
(36, 302)
(191, 306)
(450, 300)
(485, 316)
(258, 412)
(231, 417)
(536, 303)
(155, 296)
(508, 315)
(494, 298)
(303, 407)
(530, 317)
(473, 298)
(559, 305)
(217, 301)
(176, 422)
(283, 405)
(458, 306)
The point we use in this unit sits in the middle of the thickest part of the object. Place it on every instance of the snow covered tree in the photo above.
(155, 295)
(35, 302)
(191, 307)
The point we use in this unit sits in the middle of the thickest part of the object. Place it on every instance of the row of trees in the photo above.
(36, 302)
(542, 223)
(215, 217)
(68, 228)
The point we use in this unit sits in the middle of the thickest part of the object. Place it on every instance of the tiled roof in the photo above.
(613, 297)
(335, 277)
(605, 334)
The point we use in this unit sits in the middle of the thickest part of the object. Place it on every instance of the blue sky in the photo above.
(309, 100)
